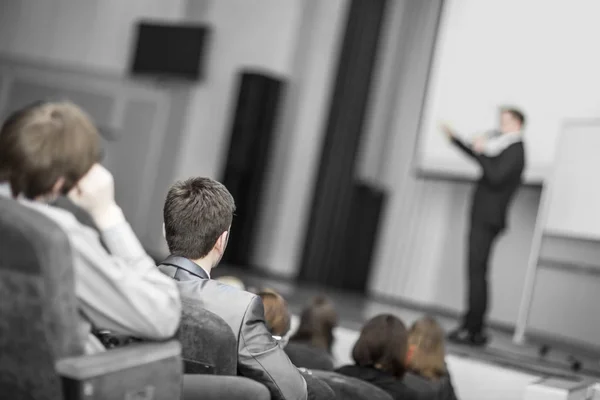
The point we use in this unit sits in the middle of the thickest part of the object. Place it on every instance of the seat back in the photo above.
(349, 388)
(208, 343)
(38, 315)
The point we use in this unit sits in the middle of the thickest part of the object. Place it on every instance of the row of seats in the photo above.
(42, 353)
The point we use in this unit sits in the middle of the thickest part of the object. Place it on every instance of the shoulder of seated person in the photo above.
(59, 215)
(65, 219)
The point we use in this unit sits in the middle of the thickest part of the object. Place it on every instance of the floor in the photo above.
(354, 309)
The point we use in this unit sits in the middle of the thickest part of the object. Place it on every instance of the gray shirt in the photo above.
(122, 291)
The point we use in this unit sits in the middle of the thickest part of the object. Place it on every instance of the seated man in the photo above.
(197, 215)
(50, 150)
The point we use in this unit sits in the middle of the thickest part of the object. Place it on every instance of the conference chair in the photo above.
(41, 352)
(209, 350)
(208, 343)
(349, 388)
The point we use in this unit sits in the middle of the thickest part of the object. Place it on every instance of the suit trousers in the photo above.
(481, 241)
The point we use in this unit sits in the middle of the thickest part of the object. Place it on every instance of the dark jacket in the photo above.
(499, 181)
(305, 355)
(393, 386)
(259, 355)
(440, 389)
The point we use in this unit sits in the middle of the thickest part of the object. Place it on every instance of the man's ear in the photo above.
(164, 231)
(222, 241)
(58, 186)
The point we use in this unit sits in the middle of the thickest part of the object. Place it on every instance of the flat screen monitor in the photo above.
(169, 50)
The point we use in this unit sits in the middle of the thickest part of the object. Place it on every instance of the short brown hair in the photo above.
(41, 143)
(196, 213)
(515, 113)
(317, 322)
(382, 344)
(277, 315)
(426, 344)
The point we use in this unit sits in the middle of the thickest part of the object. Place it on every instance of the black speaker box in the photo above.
(247, 160)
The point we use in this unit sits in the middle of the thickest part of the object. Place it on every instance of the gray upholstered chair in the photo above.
(41, 354)
(209, 350)
(208, 343)
(349, 388)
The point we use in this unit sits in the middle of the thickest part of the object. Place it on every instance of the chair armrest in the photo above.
(140, 371)
(218, 387)
(134, 355)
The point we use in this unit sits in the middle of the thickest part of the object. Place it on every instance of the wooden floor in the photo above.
(354, 309)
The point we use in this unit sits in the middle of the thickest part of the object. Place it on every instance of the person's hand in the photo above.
(95, 193)
(479, 145)
(448, 131)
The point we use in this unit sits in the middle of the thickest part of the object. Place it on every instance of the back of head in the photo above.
(317, 322)
(382, 344)
(511, 119)
(426, 349)
(196, 213)
(277, 315)
(44, 143)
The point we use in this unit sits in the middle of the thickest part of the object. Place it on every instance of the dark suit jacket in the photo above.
(259, 355)
(499, 181)
(393, 386)
(441, 389)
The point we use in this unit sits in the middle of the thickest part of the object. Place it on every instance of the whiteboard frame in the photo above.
(519, 336)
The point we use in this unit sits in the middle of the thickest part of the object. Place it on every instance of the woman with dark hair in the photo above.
(310, 347)
(277, 315)
(380, 355)
(426, 360)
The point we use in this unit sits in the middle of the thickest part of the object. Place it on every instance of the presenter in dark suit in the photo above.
(501, 157)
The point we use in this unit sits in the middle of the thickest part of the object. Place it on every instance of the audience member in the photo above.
(380, 355)
(198, 214)
(62, 201)
(277, 315)
(51, 150)
(426, 360)
(310, 347)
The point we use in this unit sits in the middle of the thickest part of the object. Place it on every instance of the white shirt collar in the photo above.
(497, 144)
(5, 189)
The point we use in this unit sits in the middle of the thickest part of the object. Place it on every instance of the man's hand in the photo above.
(479, 144)
(95, 193)
(448, 131)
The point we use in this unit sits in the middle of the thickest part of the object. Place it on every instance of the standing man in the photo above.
(501, 156)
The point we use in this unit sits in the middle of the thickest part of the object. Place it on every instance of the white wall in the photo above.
(420, 256)
(258, 34)
(95, 35)
(480, 65)
(294, 39)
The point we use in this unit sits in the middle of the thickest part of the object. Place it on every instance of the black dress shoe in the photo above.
(465, 337)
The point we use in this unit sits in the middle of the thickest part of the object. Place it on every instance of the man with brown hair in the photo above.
(50, 150)
(197, 215)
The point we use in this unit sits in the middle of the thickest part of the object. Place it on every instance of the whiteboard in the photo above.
(573, 200)
(538, 55)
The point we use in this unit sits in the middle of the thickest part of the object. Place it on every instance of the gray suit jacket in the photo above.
(259, 355)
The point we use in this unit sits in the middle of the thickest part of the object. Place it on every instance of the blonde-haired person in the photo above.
(425, 361)
(51, 150)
